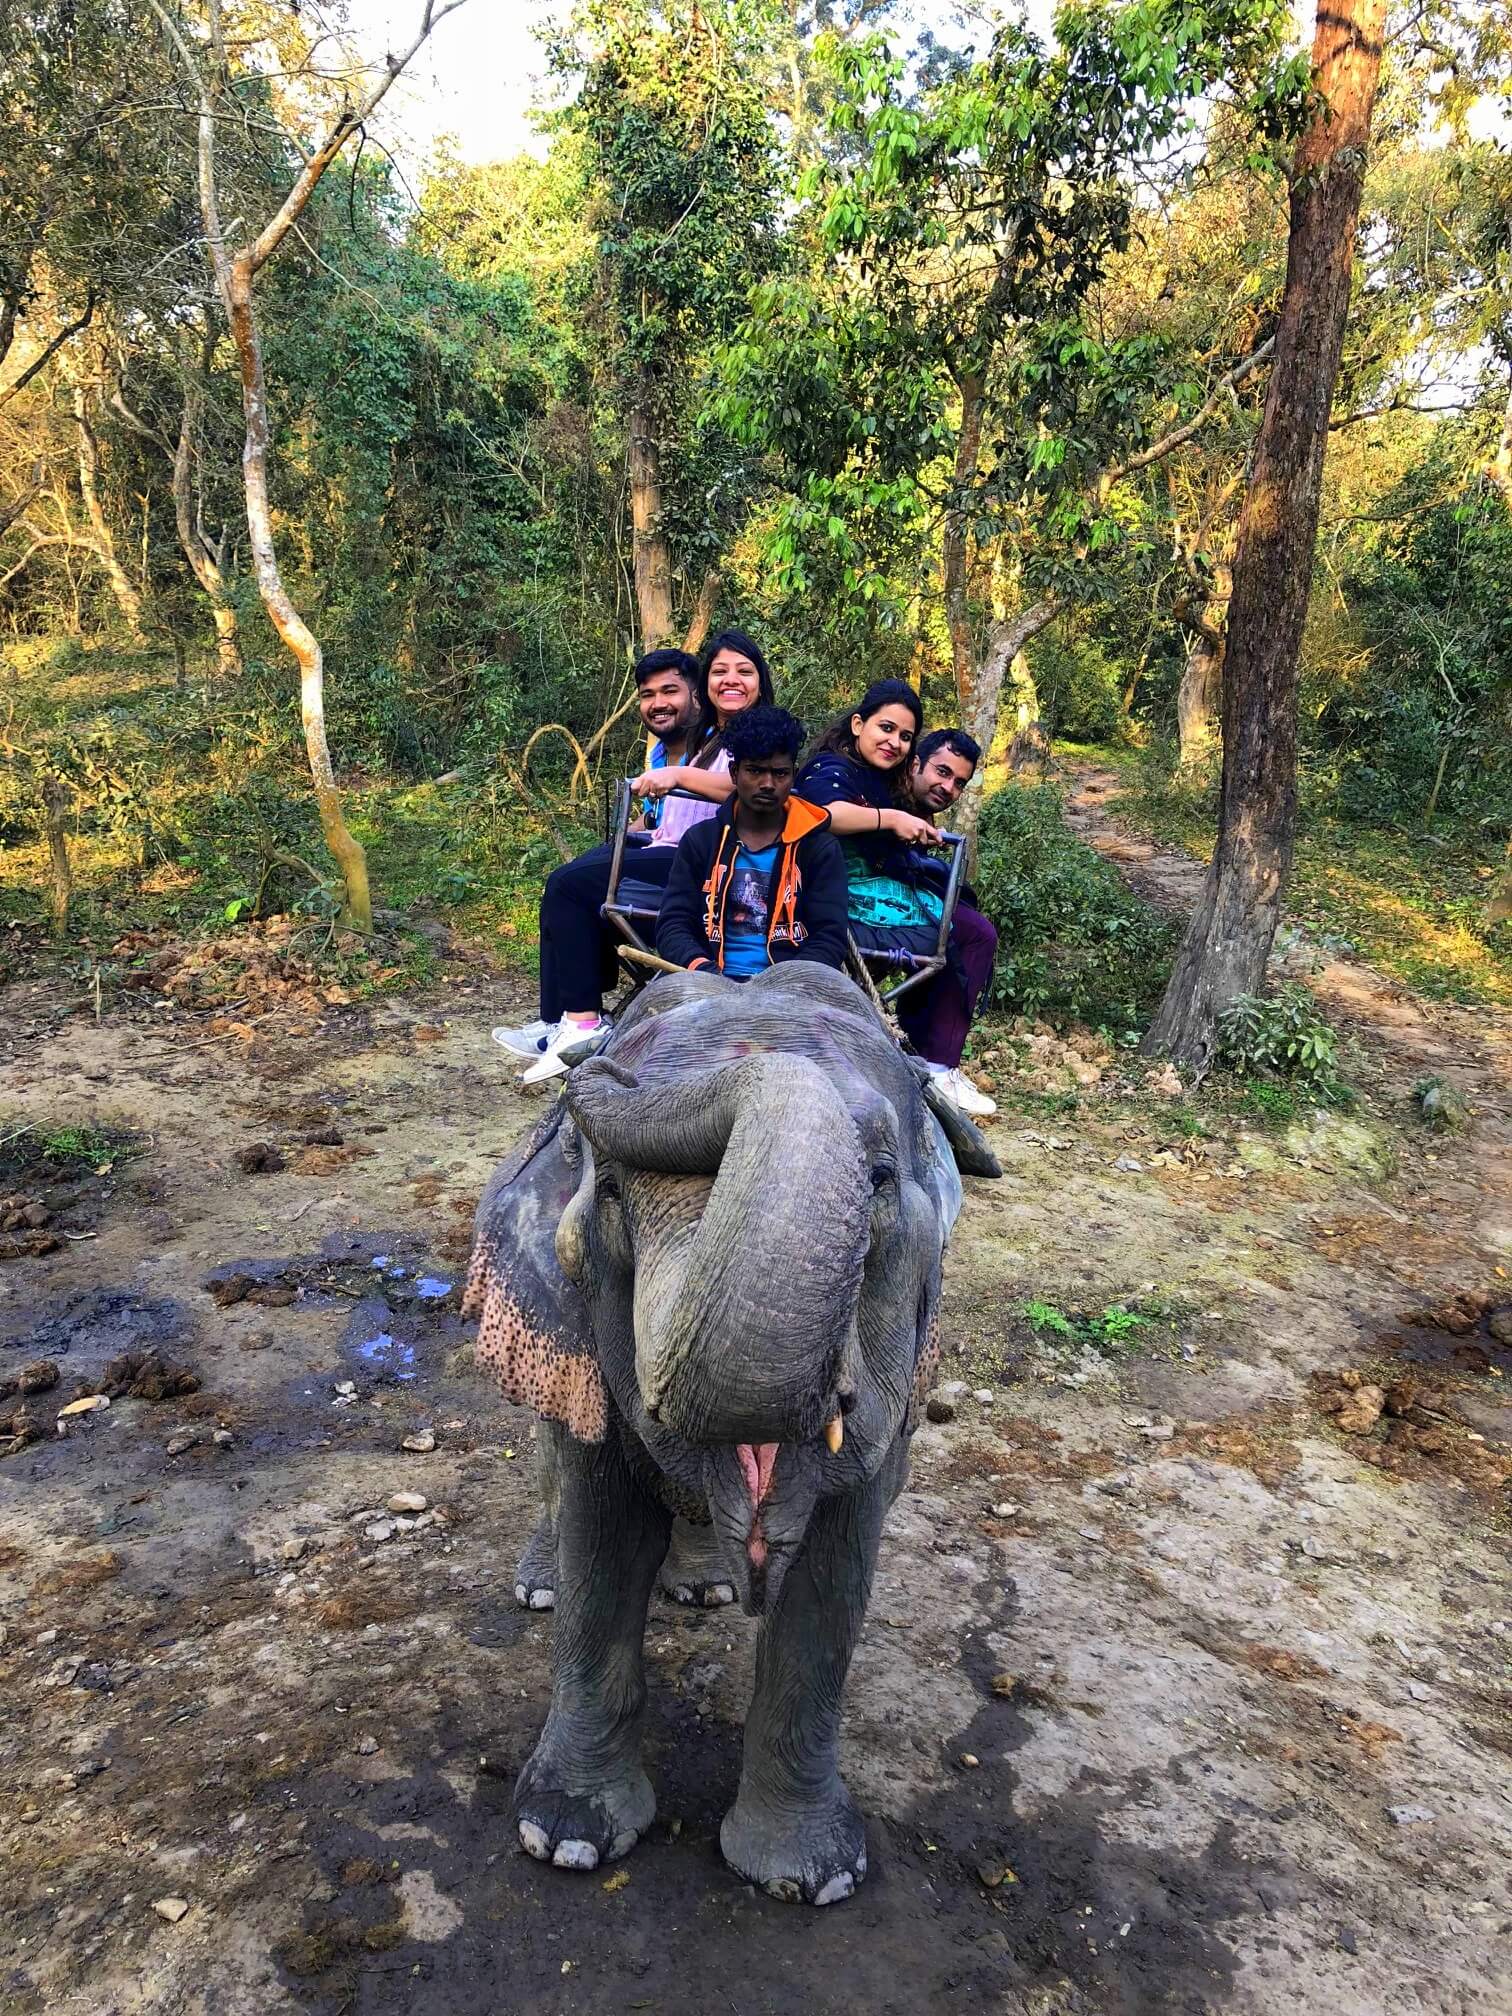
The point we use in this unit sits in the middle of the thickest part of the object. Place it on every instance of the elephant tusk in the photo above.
(834, 1435)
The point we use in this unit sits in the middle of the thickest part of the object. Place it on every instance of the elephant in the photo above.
(713, 1269)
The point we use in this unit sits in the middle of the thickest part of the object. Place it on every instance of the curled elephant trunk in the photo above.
(740, 1334)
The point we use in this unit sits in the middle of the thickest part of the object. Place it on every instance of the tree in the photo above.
(1228, 942)
(672, 114)
(236, 270)
(931, 381)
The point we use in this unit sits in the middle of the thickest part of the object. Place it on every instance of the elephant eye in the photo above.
(608, 1184)
(882, 1174)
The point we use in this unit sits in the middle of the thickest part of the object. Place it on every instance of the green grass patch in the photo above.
(65, 1147)
(1113, 1330)
(206, 822)
(1074, 943)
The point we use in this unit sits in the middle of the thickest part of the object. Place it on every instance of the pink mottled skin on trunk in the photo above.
(757, 1461)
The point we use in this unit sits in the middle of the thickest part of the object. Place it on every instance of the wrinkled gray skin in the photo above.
(759, 1203)
(692, 1571)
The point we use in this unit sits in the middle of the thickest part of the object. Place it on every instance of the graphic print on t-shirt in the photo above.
(745, 917)
(746, 912)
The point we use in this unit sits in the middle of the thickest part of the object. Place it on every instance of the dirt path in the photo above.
(1236, 1684)
(1403, 1037)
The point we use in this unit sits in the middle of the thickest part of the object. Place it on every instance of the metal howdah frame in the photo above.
(636, 923)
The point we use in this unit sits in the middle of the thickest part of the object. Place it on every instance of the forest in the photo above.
(913, 352)
(1136, 384)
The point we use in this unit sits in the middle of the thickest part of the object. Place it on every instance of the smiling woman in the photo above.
(577, 955)
(856, 770)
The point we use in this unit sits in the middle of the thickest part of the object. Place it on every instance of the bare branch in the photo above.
(276, 229)
(137, 424)
(63, 336)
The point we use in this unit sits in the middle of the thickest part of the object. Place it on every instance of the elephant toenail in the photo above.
(784, 1889)
(543, 1599)
(576, 1855)
(836, 1888)
(534, 1841)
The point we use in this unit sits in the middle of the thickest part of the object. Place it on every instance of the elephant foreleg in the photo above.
(535, 1577)
(794, 1828)
(583, 1798)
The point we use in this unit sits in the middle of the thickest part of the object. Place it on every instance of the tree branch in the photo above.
(1179, 436)
(63, 336)
(277, 227)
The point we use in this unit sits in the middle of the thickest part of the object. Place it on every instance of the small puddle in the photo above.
(387, 1354)
(401, 1321)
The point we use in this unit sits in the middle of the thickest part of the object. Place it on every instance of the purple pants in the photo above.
(937, 1016)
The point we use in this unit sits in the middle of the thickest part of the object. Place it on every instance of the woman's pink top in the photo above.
(678, 814)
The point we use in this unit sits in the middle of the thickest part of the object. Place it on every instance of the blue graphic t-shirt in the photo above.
(745, 917)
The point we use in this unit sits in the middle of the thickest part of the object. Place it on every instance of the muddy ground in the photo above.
(1234, 1683)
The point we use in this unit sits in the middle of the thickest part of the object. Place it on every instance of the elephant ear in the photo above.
(534, 1330)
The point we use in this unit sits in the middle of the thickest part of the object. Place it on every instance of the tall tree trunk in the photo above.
(972, 387)
(701, 622)
(653, 551)
(55, 799)
(1499, 470)
(1229, 939)
(121, 584)
(203, 564)
(1030, 743)
(1005, 640)
(345, 850)
(1199, 699)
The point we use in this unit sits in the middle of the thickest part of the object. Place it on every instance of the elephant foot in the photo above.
(816, 1855)
(574, 1825)
(693, 1572)
(535, 1578)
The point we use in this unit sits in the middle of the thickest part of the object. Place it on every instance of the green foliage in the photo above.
(1074, 944)
(1079, 686)
(1109, 1330)
(1420, 732)
(955, 232)
(1280, 1035)
(69, 1145)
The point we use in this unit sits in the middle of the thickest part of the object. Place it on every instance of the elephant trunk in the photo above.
(739, 1337)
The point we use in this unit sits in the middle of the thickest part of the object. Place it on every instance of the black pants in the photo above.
(577, 947)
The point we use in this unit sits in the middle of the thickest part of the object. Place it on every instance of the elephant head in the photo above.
(746, 1200)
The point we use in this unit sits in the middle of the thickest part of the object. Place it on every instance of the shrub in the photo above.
(1280, 1035)
(1074, 943)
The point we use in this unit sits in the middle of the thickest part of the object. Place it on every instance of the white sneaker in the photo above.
(566, 1035)
(528, 1041)
(960, 1091)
